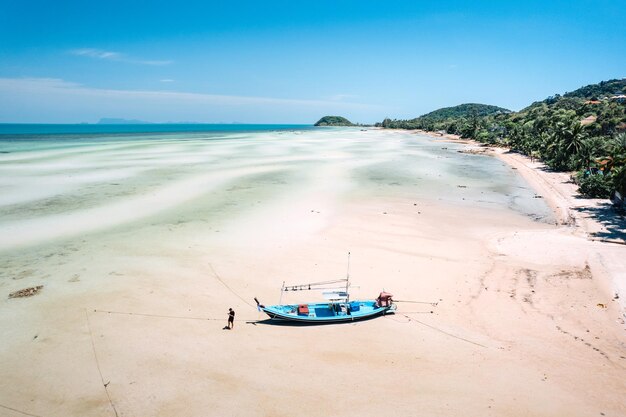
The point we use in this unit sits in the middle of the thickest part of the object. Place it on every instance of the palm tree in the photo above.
(574, 138)
(618, 145)
(586, 153)
(619, 179)
(617, 162)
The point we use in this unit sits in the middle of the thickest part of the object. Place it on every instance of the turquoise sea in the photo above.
(61, 181)
(15, 130)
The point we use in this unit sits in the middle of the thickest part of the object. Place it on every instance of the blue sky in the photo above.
(295, 61)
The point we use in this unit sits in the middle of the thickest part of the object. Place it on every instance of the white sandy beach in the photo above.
(143, 246)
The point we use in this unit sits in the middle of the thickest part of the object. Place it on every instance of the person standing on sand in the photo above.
(231, 318)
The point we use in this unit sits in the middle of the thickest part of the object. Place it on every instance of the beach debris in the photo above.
(473, 151)
(601, 305)
(26, 292)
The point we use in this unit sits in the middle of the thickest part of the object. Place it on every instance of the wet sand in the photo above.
(136, 290)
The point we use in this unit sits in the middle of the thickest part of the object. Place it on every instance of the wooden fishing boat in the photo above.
(337, 309)
(334, 311)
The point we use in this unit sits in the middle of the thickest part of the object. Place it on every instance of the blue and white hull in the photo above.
(334, 312)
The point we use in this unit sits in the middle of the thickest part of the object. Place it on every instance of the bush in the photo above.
(595, 185)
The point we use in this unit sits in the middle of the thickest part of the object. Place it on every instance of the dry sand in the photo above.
(525, 322)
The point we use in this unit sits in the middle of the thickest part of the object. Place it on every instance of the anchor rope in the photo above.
(417, 302)
(228, 287)
(437, 329)
(18, 411)
(95, 355)
(164, 316)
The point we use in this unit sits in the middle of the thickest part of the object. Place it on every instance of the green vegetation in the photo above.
(463, 119)
(594, 186)
(578, 131)
(334, 121)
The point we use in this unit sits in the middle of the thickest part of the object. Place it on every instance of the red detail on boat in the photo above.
(384, 299)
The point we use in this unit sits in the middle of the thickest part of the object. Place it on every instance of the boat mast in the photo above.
(282, 289)
(348, 280)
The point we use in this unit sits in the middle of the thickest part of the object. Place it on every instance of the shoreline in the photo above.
(574, 215)
(556, 188)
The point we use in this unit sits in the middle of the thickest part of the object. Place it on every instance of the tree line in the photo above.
(580, 131)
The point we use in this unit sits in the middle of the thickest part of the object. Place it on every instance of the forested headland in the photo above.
(334, 121)
(583, 131)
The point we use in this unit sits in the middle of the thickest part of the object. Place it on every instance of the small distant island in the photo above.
(116, 121)
(334, 121)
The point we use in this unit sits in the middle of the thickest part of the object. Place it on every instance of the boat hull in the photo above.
(327, 313)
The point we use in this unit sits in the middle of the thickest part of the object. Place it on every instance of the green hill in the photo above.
(583, 130)
(450, 119)
(600, 90)
(463, 110)
(334, 121)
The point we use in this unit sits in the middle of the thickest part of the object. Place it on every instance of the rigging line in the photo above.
(163, 316)
(319, 283)
(444, 332)
(226, 285)
(296, 288)
(18, 411)
(95, 355)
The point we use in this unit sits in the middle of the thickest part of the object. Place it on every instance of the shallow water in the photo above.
(56, 188)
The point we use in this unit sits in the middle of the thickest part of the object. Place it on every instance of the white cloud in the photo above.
(340, 97)
(167, 80)
(56, 100)
(115, 56)
(96, 53)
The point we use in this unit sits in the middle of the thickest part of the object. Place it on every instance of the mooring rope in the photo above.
(164, 316)
(229, 289)
(439, 330)
(417, 302)
(18, 411)
(95, 355)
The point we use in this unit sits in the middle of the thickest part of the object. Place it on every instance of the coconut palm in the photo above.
(572, 136)
(587, 153)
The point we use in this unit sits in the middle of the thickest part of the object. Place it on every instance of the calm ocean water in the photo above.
(29, 131)
(25, 137)
(14, 129)
(55, 167)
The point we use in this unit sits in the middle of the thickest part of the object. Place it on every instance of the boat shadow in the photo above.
(287, 323)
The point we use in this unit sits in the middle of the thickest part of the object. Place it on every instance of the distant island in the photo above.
(115, 121)
(334, 121)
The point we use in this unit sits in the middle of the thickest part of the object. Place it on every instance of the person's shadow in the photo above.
(225, 328)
